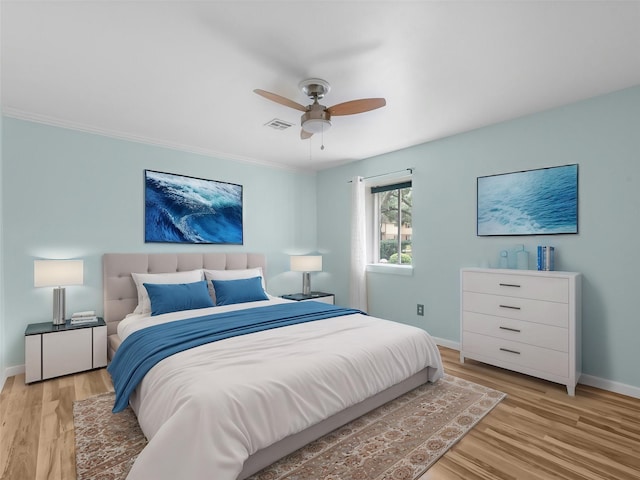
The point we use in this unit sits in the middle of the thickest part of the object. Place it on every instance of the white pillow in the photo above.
(144, 304)
(231, 275)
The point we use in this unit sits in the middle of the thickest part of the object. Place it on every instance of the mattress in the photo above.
(206, 410)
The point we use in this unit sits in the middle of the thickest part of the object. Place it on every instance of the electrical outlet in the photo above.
(420, 310)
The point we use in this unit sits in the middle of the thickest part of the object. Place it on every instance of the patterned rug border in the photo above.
(108, 444)
(409, 466)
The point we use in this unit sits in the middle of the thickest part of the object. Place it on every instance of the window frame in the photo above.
(372, 207)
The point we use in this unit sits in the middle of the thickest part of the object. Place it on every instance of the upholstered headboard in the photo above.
(120, 294)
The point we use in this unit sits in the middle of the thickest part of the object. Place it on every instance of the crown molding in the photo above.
(80, 127)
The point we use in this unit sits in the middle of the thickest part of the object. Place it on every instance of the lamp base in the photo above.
(306, 283)
(58, 306)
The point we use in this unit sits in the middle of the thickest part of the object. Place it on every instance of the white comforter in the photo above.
(207, 409)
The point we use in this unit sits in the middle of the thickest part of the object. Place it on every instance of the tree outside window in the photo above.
(394, 223)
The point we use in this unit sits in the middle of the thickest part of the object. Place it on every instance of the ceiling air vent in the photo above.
(278, 124)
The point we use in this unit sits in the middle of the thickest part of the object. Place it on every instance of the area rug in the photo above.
(398, 441)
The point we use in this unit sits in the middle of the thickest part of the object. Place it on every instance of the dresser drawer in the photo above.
(549, 313)
(519, 354)
(536, 334)
(513, 285)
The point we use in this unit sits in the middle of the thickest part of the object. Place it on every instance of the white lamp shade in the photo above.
(306, 263)
(57, 273)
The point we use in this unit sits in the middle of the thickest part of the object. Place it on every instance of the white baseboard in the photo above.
(15, 370)
(610, 385)
(447, 343)
(10, 372)
(590, 380)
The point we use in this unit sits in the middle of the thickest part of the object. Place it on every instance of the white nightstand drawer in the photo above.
(536, 334)
(513, 285)
(99, 347)
(33, 358)
(65, 352)
(520, 354)
(550, 313)
(328, 299)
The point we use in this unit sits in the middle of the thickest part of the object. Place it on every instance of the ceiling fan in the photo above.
(316, 117)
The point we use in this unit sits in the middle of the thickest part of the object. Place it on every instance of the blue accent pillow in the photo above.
(239, 291)
(174, 297)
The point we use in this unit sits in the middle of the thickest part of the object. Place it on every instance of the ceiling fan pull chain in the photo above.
(322, 138)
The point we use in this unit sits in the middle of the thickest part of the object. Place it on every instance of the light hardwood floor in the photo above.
(537, 432)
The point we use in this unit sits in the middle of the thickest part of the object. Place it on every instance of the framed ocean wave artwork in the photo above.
(542, 201)
(182, 209)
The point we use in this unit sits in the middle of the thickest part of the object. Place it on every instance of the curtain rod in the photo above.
(410, 170)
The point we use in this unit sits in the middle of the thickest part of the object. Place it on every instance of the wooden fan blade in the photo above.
(356, 106)
(280, 99)
(304, 134)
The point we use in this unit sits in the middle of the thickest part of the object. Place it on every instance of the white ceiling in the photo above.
(182, 73)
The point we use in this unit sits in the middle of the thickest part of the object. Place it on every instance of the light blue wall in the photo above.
(602, 135)
(68, 194)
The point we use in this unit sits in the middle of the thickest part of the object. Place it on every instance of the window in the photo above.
(392, 223)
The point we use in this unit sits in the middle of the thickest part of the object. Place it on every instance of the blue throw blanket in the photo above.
(141, 350)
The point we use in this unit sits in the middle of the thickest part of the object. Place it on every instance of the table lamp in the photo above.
(58, 273)
(306, 264)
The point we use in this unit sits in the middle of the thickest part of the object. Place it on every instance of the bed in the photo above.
(227, 409)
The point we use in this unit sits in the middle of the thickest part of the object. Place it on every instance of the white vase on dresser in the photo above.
(523, 320)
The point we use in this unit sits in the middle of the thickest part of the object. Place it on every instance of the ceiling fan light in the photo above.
(316, 125)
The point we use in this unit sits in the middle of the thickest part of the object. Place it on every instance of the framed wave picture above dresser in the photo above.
(542, 201)
(182, 209)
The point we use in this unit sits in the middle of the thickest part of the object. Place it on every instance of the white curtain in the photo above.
(358, 277)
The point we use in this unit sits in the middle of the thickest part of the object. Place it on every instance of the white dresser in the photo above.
(523, 320)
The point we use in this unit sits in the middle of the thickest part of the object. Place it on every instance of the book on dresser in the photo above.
(523, 320)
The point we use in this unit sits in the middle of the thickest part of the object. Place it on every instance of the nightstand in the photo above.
(55, 350)
(316, 296)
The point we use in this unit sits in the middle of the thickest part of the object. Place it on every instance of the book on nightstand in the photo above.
(80, 318)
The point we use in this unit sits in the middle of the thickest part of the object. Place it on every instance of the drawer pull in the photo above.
(509, 285)
(510, 329)
(509, 306)
(510, 351)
